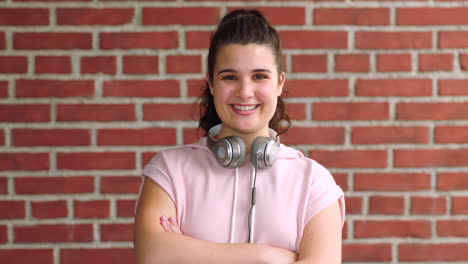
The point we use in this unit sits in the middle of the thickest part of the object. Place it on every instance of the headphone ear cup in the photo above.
(263, 152)
(230, 152)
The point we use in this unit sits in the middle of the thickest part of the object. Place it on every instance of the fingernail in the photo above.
(164, 223)
(163, 218)
(172, 219)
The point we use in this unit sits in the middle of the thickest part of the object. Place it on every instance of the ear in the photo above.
(281, 81)
(209, 83)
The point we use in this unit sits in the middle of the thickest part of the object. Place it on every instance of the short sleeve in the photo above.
(323, 192)
(157, 170)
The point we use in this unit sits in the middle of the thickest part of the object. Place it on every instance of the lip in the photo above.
(244, 112)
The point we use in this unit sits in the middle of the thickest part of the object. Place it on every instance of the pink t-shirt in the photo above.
(288, 195)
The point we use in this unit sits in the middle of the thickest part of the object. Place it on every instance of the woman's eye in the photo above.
(229, 77)
(260, 76)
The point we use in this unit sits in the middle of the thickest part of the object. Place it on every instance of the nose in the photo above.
(246, 89)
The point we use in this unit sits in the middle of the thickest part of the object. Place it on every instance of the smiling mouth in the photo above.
(244, 107)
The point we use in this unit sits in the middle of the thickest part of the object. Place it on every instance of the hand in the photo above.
(170, 225)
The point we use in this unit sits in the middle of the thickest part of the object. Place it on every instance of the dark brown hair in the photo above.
(242, 27)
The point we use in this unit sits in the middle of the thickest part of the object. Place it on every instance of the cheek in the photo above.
(223, 93)
(267, 96)
(220, 96)
(274, 103)
(221, 99)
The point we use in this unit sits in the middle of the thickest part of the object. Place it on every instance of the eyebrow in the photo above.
(231, 70)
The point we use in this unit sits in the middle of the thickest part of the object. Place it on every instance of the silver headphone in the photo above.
(230, 151)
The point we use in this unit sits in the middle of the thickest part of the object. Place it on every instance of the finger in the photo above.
(164, 224)
(174, 225)
(172, 220)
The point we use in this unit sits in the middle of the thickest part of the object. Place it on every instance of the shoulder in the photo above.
(296, 160)
(180, 154)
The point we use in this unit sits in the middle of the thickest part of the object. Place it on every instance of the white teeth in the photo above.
(244, 108)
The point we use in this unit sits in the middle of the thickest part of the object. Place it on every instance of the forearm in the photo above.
(177, 248)
(154, 243)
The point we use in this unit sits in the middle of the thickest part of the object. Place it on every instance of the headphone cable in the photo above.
(234, 206)
(251, 220)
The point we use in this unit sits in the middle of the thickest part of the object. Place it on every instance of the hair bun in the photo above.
(247, 14)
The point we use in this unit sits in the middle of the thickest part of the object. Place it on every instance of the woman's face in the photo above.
(245, 87)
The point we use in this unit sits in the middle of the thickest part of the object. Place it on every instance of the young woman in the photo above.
(238, 195)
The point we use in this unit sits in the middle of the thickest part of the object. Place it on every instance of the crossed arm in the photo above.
(321, 242)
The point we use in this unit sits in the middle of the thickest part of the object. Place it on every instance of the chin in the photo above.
(247, 129)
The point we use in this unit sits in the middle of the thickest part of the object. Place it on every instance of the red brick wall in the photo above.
(91, 90)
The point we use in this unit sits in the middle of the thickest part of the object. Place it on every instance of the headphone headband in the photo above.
(230, 151)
